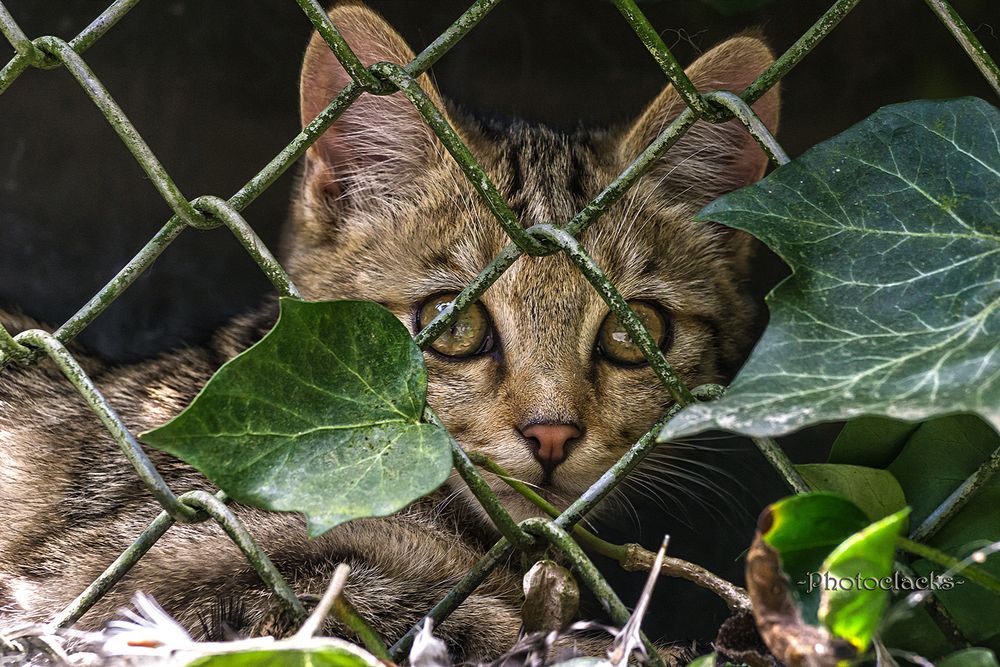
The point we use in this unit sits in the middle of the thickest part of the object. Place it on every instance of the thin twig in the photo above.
(334, 600)
(322, 610)
(957, 499)
(963, 567)
(630, 556)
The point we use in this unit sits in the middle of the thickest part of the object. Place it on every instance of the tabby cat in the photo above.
(537, 375)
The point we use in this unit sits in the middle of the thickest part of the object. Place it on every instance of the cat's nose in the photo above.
(550, 442)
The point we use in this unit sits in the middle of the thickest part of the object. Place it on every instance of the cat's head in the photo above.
(537, 375)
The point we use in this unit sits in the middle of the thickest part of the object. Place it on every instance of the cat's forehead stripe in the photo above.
(547, 175)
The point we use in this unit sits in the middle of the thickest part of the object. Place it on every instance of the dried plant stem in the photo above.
(333, 600)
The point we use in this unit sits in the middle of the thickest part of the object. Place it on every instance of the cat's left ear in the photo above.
(710, 159)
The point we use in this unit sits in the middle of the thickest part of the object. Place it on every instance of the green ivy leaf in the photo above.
(938, 458)
(864, 559)
(322, 416)
(874, 490)
(804, 529)
(930, 462)
(892, 230)
(970, 657)
(320, 657)
(871, 441)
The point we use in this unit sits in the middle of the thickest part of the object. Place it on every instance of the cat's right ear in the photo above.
(380, 143)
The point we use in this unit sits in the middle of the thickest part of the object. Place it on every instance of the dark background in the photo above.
(212, 87)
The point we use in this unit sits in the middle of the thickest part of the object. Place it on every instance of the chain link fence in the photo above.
(384, 78)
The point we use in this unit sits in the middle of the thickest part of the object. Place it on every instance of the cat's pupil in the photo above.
(461, 331)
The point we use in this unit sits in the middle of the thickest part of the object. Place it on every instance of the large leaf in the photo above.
(322, 416)
(892, 230)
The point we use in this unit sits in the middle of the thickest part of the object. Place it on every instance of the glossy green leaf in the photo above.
(871, 441)
(860, 567)
(874, 490)
(939, 456)
(804, 529)
(320, 657)
(322, 416)
(935, 459)
(970, 657)
(892, 231)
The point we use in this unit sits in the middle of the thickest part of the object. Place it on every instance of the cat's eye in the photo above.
(470, 333)
(614, 342)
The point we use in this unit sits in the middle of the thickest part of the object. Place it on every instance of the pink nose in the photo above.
(550, 442)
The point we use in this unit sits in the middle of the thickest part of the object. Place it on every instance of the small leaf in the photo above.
(804, 529)
(970, 657)
(322, 416)
(320, 657)
(893, 235)
(865, 559)
(873, 490)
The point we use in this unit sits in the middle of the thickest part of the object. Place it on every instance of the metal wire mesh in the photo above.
(384, 78)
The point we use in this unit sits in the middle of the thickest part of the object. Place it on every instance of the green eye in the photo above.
(614, 342)
(469, 334)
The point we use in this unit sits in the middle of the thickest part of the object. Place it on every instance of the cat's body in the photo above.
(384, 214)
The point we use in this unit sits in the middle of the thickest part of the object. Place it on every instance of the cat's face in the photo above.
(537, 375)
